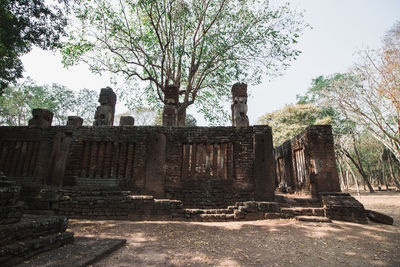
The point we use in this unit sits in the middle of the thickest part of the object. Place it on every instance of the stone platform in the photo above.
(83, 252)
(23, 236)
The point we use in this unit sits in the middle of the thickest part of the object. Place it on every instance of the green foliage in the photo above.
(317, 95)
(203, 47)
(190, 121)
(23, 24)
(292, 120)
(17, 103)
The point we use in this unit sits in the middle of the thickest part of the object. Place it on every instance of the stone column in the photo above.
(41, 118)
(321, 160)
(264, 173)
(155, 164)
(105, 112)
(170, 112)
(239, 105)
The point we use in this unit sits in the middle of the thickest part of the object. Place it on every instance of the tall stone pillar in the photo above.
(264, 173)
(170, 112)
(155, 164)
(105, 112)
(41, 118)
(239, 105)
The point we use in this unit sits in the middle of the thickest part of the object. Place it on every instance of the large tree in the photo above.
(346, 132)
(25, 23)
(291, 120)
(202, 46)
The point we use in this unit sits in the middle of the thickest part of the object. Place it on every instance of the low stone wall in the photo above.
(120, 208)
(209, 194)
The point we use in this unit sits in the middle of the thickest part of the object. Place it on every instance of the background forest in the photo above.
(362, 105)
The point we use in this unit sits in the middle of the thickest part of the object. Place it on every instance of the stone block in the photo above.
(379, 217)
(126, 121)
(41, 118)
(74, 121)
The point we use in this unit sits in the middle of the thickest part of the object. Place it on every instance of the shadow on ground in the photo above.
(257, 243)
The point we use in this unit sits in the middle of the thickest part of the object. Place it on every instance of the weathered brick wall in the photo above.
(307, 162)
(202, 165)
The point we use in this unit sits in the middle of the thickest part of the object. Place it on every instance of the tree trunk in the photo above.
(383, 173)
(395, 180)
(354, 177)
(181, 117)
(341, 175)
(360, 170)
(360, 167)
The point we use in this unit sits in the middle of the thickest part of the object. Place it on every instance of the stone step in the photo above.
(274, 215)
(318, 219)
(379, 217)
(84, 251)
(19, 251)
(31, 227)
(208, 211)
(300, 211)
(216, 217)
(292, 201)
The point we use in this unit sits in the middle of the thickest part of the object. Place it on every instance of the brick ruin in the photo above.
(307, 162)
(164, 172)
(23, 236)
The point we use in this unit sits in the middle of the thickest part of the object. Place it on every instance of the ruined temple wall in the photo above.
(25, 152)
(199, 164)
(283, 165)
(308, 161)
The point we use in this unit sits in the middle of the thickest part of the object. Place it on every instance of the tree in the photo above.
(388, 67)
(17, 103)
(190, 120)
(142, 115)
(202, 47)
(24, 24)
(85, 104)
(291, 120)
(345, 130)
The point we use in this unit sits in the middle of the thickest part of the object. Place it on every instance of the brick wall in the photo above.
(307, 162)
(203, 166)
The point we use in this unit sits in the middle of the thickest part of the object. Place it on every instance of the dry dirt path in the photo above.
(256, 243)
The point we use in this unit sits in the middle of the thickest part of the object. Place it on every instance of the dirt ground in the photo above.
(256, 243)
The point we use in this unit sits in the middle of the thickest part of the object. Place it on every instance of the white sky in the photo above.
(340, 28)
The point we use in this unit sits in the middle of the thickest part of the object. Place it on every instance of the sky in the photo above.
(339, 29)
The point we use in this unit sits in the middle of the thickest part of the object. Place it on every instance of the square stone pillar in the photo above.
(155, 164)
(41, 118)
(264, 174)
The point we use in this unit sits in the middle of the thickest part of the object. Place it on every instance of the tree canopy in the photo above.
(24, 24)
(291, 120)
(18, 101)
(202, 47)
